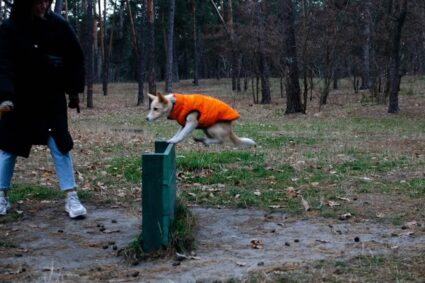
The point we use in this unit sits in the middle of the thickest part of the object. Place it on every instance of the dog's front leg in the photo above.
(183, 132)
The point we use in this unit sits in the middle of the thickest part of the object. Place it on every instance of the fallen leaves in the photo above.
(257, 244)
(291, 192)
(332, 203)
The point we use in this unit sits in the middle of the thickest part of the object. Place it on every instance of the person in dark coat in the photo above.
(40, 61)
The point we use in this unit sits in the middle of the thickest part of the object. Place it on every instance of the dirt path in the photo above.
(46, 246)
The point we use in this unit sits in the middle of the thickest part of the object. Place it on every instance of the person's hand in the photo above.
(74, 102)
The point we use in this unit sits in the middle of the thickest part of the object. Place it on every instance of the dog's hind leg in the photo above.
(207, 141)
(212, 136)
(216, 134)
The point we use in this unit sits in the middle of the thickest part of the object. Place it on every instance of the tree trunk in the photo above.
(141, 63)
(335, 77)
(121, 19)
(265, 83)
(138, 57)
(89, 53)
(95, 46)
(106, 53)
(293, 93)
(264, 67)
(327, 79)
(195, 45)
(366, 22)
(150, 38)
(305, 59)
(170, 44)
(100, 39)
(400, 10)
(134, 40)
(234, 53)
(228, 27)
(176, 77)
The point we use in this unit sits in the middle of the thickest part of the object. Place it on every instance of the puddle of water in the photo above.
(230, 244)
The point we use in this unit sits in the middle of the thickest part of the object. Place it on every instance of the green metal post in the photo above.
(158, 195)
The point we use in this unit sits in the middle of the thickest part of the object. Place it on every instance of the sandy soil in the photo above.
(46, 246)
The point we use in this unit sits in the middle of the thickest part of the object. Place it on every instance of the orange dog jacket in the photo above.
(211, 110)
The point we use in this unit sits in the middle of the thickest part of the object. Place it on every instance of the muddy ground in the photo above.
(46, 246)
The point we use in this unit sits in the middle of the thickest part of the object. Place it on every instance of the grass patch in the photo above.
(241, 178)
(25, 191)
(394, 220)
(127, 167)
(393, 268)
(413, 188)
(364, 164)
(276, 142)
(183, 229)
(257, 128)
(182, 237)
(193, 161)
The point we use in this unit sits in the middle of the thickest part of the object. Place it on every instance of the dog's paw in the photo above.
(201, 140)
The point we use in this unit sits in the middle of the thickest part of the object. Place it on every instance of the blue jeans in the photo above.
(63, 166)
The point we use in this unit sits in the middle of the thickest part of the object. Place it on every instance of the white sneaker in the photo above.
(73, 206)
(4, 204)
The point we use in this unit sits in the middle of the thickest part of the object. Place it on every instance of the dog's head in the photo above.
(160, 106)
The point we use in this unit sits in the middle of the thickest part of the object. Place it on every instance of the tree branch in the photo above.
(221, 18)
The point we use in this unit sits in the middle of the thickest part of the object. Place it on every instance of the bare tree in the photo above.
(137, 55)
(195, 44)
(230, 31)
(264, 65)
(306, 69)
(89, 53)
(399, 11)
(150, 38)
(235, 54)
(293, 93)
(104, 49)
(366, 22)
(170, 47)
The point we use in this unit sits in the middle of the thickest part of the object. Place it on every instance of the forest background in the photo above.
(374, 43)
(346, 163)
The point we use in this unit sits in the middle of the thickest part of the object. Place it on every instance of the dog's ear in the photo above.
(151, 96)
(161, 98)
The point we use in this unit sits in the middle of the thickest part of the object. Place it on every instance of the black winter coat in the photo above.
(40, 61)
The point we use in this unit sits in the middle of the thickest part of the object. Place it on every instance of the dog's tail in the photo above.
(241, 141)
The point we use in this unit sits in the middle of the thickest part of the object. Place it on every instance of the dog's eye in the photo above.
(155, 109)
